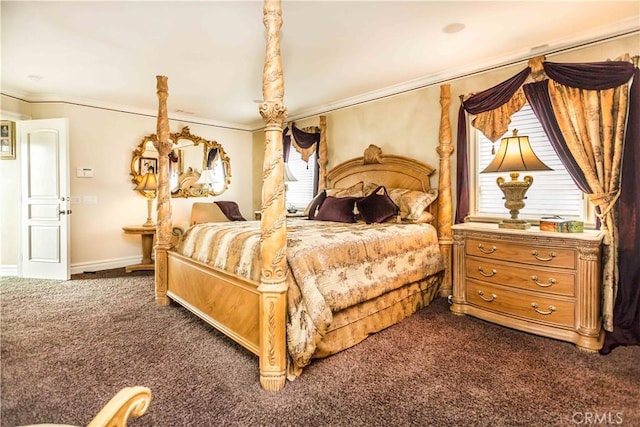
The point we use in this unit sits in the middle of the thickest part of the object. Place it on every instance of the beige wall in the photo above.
(405, 124)
(256, 177)
(104, 140)
(408, 124)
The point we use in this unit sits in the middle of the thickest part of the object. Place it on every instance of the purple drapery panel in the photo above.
(286, 144)
(626, 310)
(486, 100)
(598, 76)
(462, 170)
(538, 97)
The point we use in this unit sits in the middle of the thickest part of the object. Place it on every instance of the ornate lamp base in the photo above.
(149, 222)
(514, 192)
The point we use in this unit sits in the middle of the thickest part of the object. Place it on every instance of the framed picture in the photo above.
(148, 164)
(7, 140)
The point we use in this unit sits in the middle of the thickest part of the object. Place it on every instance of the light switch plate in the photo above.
(84, 172)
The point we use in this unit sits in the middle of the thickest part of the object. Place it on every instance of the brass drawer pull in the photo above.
(535, 307)
(484, 251)
(493, 272)
(493, 296)
(552, 282)
(535, 253)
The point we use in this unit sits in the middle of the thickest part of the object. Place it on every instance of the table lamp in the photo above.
(148, 186)
(208, 179)
(515, 155)
(288, 177)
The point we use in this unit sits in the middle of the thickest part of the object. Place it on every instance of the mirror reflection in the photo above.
(197, 167)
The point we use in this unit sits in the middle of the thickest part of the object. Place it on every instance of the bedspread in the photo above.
(332, 266)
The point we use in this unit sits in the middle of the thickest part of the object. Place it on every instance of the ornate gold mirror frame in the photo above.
(188, 159)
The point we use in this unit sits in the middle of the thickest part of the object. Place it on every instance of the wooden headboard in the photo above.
(384, 169)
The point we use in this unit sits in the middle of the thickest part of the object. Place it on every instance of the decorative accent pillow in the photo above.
(369, 188)
(314, 205)
(426, 217)
(412, 203)
(377, 206)
(231, 210)
(339, 209)
(356, 190)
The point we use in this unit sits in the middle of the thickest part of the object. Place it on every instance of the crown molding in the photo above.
(127, 109)
(625, 28)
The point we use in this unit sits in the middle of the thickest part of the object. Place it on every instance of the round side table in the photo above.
(146, 234)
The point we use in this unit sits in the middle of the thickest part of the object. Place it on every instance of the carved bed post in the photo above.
(322, 155)
(445, 217)
(273, 289)
(163, 229)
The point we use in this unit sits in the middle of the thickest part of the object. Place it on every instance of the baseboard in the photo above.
(81, 267)
(8, 270)
(108, 264)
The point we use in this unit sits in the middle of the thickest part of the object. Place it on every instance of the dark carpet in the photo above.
(69, 346)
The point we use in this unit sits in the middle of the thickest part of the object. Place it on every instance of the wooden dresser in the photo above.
(541, 282)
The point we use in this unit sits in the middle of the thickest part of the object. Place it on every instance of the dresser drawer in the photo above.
(554, 281)
(533, 307)
(530, 254)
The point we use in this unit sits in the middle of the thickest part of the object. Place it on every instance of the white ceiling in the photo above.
(335, 53)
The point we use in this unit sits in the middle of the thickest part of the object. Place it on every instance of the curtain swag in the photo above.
(306, 143)
(591, 115)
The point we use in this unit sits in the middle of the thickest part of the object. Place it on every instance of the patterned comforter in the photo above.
(333, 266)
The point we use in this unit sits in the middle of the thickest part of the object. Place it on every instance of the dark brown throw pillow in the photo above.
(339, 209)
(377, 206)
(315, 204)
(231, 210)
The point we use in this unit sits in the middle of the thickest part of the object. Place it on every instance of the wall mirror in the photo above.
(197, 167)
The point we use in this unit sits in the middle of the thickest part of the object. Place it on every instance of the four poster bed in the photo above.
(292, 290)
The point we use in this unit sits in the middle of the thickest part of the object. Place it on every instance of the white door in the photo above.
(44, 241)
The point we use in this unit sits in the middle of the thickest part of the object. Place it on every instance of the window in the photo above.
(300, 192)
(552, 192)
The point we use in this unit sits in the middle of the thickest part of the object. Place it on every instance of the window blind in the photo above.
(552, 192)
(300, 192)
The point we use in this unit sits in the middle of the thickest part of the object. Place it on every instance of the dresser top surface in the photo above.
(588, 235)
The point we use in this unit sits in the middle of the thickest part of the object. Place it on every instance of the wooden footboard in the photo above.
(229, 303)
